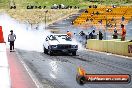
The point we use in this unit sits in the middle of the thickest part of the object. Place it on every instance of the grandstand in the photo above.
(104, 15)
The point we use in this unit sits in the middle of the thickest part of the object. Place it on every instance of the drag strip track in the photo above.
(59, 71)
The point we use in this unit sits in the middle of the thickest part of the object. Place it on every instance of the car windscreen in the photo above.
(63, 37)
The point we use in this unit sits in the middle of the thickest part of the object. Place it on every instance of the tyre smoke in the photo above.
(27, 37)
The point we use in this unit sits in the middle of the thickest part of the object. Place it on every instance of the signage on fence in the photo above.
(129, 48)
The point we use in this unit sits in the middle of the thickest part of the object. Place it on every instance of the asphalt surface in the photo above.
(18, 74)
(60, 71)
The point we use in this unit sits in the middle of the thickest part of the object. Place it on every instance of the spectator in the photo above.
(82, 38)
(75, 7)
(100, 35)
(86, 11)
(62, 6)
(100, 21)
(91, 19)
(81, 33)
(87, 19)
(108, 10)
(90, 6)
(123, 33)
(70, 7)
(67, 7)
(115, 35)
(30, 7)
(44, 7)
(39, 7)
(94, 6)
(13, 7)
(123, 18)
(55, 6)
(113, 19)
(92, 13)
(97, 13)
(69, 34)
(35, 7)
(59, 6)
(114, 6)
(92, 35)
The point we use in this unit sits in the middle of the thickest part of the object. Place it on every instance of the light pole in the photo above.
(107, 10)
(106, 26)
(45, 18)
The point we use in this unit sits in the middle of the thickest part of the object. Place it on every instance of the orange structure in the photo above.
(107, 15)
(1, 35)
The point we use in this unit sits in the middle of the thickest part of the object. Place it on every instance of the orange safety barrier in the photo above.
(1, 35)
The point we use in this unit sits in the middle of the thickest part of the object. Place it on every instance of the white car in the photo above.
(59, 43)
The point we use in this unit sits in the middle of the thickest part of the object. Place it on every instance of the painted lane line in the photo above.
(33, 77)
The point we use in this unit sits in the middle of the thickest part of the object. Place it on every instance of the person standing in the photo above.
(123, 18)
(92, 35)
(80, 37)
(81, 33)
(115, 35)
(11, 39)
(69, 33)
(100, 35)
(123, 34)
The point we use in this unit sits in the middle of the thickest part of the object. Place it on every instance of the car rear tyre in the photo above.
(74, 53)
